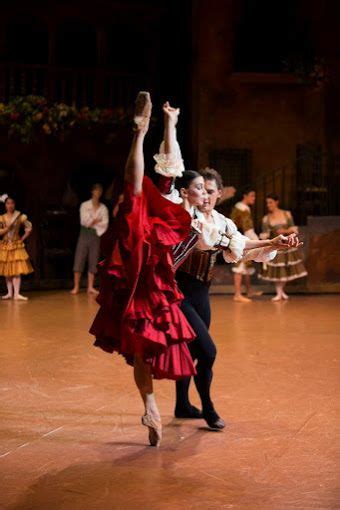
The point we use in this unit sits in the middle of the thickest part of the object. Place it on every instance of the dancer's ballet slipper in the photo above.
(74, 291)
(285, 296)
(155, 429)
(19, 297)
(241, 299)
(7, 297)
(143, 110)
(276, 298)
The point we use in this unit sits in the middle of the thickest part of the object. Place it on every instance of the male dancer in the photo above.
(195, 272)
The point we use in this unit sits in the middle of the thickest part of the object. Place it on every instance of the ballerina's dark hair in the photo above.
(186, 179)
(10, 197)
(3, 202)
(273, 196)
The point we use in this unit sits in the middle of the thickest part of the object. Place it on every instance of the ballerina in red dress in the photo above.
(139, 315)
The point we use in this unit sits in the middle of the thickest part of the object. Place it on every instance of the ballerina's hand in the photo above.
(171, 113)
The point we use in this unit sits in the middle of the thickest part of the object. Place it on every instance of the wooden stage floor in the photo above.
(70, 433)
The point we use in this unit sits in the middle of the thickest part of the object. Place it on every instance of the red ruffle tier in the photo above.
(139, 299)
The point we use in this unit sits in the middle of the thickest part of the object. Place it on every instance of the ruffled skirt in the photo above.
(139, 300)
(14, 259)
(286, 266)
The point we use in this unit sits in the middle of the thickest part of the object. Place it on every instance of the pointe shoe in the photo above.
(285, 296)
(143, 108)
(7, 297)
(276, 298)
(241, 299)
(155, 429)
(19, 297)
(74, 292)
(213, 420)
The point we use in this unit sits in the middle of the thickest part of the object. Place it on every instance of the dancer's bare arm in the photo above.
(278, 242)
(170, 121)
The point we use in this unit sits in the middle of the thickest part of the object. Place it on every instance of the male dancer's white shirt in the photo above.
(222, 233)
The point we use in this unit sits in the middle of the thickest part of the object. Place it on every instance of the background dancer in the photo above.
(288, 265)
(14, 259)
(241, 216)
(94, 220)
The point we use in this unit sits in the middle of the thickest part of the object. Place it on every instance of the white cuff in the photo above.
(169, 165)
(236, 246)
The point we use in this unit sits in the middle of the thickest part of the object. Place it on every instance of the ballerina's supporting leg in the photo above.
(279, 291)
(238, 289)
(151, 418)
(9, 284)
(16, 286)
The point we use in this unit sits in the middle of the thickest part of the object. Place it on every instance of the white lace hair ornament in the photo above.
(3, 197)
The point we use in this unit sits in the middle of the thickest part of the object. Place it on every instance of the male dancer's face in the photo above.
(249, 198)
(213, 194)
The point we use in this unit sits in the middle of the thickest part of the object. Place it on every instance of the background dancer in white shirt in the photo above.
(94, 220)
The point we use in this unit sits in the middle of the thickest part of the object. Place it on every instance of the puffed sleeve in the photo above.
(169, 165)
(265, 234)
(247, 225)
(27, 224)
(290, 220)
(237, 243)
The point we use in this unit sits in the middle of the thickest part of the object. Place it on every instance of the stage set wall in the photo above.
(269, 114)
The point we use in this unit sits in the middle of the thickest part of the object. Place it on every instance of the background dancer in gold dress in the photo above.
(14, 259)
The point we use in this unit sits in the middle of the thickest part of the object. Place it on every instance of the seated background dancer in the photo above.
(139, 315)
(195, 272)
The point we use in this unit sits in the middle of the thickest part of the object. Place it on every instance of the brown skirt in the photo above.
(286, 266)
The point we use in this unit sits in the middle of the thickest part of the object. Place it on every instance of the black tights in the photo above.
(196, 308)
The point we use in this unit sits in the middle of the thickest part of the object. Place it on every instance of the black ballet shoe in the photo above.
(188, 412)
(213, 420)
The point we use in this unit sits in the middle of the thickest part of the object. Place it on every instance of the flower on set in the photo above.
(37, 117)
(47, 129)
(14, 116)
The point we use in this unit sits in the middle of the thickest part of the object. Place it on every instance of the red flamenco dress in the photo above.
(139, 299)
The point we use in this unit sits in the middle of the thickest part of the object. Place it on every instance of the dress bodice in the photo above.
(19, 220)
(272, 230)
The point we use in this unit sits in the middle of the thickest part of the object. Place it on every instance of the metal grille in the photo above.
(233, 164)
